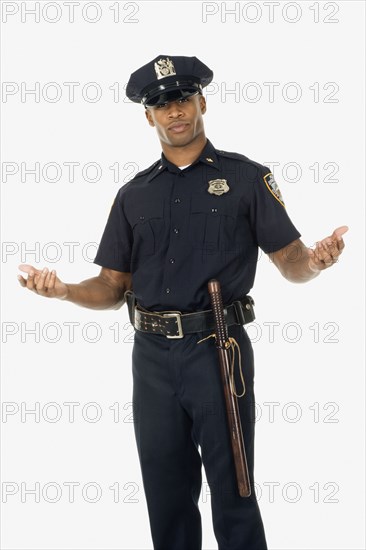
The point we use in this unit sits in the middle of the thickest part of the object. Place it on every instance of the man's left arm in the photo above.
(299, 264)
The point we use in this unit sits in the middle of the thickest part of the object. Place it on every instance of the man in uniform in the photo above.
(197, 213)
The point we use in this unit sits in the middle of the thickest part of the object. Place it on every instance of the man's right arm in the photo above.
(106, 291)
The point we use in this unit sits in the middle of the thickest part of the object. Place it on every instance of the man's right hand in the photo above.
(43, 282)
(106, 291)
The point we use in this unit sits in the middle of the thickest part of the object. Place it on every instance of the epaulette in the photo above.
(126, 186)
(147, 170)
(238, 156)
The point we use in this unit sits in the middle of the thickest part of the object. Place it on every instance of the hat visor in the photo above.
(171, 93)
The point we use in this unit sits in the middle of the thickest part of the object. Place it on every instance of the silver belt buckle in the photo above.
(175, 314)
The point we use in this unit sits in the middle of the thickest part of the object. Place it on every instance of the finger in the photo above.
(340, 244)
(335, 244)
(335, 247)
(327, 245)
(22, 281)
(52, 280)
(47, 281)
(27, 268)
(41, 280)
(318, 253)
(324, 259)
(326, 256)
(322, 250)
(337, 236)
(331, 249)
(339, 232)
(30, 280)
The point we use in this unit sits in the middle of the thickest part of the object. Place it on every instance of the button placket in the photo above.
(175, 225)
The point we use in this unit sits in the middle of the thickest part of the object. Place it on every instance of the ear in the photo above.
(149, 117)
(203, 104)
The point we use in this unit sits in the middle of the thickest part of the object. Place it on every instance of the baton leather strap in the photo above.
(174, 324)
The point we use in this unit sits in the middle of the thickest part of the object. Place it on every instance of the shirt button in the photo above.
(167, 290)
(177, 200)
(172, 260)
(176, 230)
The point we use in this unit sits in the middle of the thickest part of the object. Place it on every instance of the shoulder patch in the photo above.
(273, 187)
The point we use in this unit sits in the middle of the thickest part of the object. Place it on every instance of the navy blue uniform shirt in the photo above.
(173, 235)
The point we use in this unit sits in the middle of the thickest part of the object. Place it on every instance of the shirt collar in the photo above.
(208, 156)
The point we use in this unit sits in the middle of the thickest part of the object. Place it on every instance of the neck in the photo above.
(186, 154)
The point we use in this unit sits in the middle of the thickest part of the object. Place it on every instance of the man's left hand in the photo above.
(328, 250)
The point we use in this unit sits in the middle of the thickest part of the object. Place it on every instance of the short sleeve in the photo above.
(115, 247)
(271, 225)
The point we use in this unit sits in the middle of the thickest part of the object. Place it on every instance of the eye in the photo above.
(183, 100)
(161, 106)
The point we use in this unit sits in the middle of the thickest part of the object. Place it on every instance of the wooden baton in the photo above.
(233, 417)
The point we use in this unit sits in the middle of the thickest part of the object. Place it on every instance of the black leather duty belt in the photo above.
(174, 324)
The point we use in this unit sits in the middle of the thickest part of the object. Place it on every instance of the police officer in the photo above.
(197, 213)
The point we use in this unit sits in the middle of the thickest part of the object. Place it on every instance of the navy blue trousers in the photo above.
(179, 408)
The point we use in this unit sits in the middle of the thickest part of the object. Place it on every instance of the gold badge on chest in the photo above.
(217, 187)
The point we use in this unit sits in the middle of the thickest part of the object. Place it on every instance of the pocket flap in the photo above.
(214, 204)
(146, 211)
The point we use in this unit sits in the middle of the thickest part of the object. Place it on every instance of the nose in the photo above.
(174, 109)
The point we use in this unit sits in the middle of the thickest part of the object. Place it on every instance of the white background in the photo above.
(311, 450)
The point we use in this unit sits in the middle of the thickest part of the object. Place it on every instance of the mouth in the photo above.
(178, 127)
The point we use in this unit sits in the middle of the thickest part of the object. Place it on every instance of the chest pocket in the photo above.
(212, 221)
(147, 223)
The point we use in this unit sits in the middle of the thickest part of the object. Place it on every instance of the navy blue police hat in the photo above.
(167, 78)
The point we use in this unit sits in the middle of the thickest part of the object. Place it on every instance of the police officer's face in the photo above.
(179, 122)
